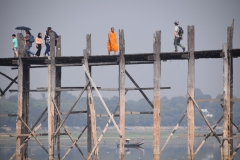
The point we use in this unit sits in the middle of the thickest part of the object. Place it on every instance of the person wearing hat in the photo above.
(177, 38)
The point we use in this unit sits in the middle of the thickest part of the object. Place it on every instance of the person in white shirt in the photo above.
(177, 38)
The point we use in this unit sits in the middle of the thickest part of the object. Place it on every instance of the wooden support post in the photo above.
(58, 93)
(121, 93)
(190, 88)
(20, 96)
(21, 45)
(226, 105)
(25, 116)
(89, 130)
(229, 45)
(156, 107)
(51, 95)
(91, 113)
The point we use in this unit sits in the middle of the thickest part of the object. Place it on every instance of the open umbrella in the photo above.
(22, 28)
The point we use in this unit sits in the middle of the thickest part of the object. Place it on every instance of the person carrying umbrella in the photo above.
(28, 43)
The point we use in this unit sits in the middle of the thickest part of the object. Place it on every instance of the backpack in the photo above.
(32, 39)
(180, 31)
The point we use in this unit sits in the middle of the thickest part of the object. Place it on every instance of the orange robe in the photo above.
(112, 46)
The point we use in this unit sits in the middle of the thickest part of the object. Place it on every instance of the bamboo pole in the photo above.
(190, 88)
(156, 108)
(226, 105)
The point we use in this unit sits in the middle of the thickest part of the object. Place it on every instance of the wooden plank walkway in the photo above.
(100, 60)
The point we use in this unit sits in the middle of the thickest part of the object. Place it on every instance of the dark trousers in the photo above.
(177, 43)
(47, 49)
(39, 48)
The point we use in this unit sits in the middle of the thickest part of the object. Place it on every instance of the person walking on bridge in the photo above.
(112, 42)
(177, 36)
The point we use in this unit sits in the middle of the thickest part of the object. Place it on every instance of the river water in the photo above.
(176, 150)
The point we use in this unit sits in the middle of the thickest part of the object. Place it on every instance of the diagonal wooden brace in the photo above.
(74, 143)
(65, 129)
(80, 95)
(99, 95)
(205, 119)
(32, 133)
(140, 90)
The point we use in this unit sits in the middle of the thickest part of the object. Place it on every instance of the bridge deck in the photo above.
(98, 60)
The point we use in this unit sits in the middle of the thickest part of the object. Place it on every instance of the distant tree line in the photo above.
(171, 110)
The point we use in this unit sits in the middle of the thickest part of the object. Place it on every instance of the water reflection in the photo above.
(210, 151)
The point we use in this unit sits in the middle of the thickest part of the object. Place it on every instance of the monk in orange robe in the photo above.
(112, 42)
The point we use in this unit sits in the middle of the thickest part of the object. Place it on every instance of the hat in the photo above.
(176, 22)
(49, 28)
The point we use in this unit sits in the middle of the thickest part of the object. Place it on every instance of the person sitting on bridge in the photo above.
(112, 42)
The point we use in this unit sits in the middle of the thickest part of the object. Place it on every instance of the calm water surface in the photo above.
(176, 150)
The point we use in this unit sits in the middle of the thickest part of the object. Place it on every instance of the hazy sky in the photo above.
(139, 19)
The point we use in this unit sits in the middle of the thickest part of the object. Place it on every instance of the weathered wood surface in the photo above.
(19, 112)
(226, 106)
(229, 47)
(156, 98)
(122, 93)
(91, 119)
(190, 89)
(58, 93)
(137, 58)
(51, 94)
(25, 115)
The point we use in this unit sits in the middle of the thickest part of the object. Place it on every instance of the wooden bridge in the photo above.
(55, 62)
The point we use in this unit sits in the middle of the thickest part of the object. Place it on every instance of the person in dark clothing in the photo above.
(49, 29)
(28, 43)
(39, 44)
(47, 44)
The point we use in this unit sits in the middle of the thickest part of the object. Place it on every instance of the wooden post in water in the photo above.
(226, 105)
(51, 95)
(90, 104)
(156, 107)
(89, 130)
(58, 93)
(20, 97)
(229, 47)
(121, 93)
(25, 116)
(190, 89)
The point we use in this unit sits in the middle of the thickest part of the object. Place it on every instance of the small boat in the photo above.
(131, 145)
